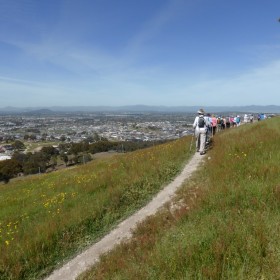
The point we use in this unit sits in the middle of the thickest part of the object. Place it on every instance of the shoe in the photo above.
(203, 153)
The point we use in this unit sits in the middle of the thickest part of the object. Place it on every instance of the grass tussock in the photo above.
(45, 219)
(227, 225)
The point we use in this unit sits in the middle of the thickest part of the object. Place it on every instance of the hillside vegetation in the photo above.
(227, 225)
(45, 219)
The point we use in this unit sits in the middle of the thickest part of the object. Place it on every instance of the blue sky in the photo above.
(151, 52)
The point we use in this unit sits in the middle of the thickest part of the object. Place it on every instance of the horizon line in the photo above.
(136, 105)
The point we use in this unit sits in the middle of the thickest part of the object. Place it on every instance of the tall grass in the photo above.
(45, 219)
(228, 224)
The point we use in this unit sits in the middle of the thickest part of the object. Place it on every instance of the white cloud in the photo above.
(258, 86)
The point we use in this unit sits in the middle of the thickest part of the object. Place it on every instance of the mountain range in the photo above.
(141, 108)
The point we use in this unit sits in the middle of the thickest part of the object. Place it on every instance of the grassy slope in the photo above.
(228, 226)
(47, 218)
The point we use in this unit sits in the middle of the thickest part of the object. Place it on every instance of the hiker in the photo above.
(209, 128)
(251, 118)
(200, 125)
(214, 124)
(219, 123)
(231, 121)
(234, 122)
(238, 120)
(246, 118)
(227, 122)
(223, 122)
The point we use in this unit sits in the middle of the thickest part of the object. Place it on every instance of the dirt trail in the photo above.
(123, 231)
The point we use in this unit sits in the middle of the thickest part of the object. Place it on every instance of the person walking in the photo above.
(208, 128)
(227, 122)
(246, 118)
(214, 124)
(238, 120)
(200, 125)
(251, 118)
(223, 122)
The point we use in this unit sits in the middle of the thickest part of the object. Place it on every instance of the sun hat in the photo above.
(201, 112)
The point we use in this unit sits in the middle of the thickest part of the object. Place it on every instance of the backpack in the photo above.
(218, 121)
(201, 122)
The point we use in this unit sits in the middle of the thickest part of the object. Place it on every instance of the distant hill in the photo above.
(142, 108)
(40, 112)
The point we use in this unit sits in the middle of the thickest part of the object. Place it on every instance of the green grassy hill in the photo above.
(227, 226)
(46, 219)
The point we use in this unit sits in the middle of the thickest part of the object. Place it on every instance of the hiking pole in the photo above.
(192, 141)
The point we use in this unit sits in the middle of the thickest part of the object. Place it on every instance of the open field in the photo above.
(226, 223)
(46, 219)
(37, 146)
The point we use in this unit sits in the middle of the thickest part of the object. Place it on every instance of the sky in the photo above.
(131, 52)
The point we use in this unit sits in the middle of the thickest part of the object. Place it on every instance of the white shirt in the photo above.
(200, 129)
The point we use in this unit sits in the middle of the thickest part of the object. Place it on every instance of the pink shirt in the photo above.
(214, 121)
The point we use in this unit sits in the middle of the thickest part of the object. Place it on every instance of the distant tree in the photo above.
(49, 151)
(20, 157)
(76, 159)
(74, 149)
(64, 147)
(102, 146)
(96, 137)
(32, 137)
(78, 147)
(84, 158)
(70, 161)
(90, 139)
(9, 138)
(64, 157)
(85, 146)
(18, 145)
(8, 169)
(35, 163)
(53, 161)
(44, 136)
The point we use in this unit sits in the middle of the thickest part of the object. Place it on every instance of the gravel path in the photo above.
(123, 231)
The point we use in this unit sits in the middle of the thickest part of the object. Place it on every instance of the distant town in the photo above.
(75, 127)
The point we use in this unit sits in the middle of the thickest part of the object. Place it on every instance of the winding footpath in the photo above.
(123, 231)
